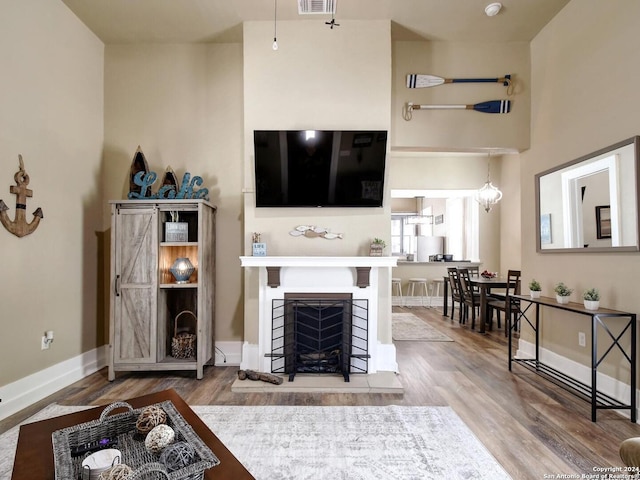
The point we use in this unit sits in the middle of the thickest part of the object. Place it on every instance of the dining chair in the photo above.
(508, 304)
(456, 292)
(470, 295)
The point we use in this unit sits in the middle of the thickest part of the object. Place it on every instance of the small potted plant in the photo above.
(562, 293)
(534, 288)
(377, 247)
(591, 299)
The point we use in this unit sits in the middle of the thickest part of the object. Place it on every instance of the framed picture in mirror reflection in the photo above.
(545, 228)
(603, 221)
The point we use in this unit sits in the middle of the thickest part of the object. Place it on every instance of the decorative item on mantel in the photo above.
(259, 249)
(562, 293)
(19, 226)
(311, 231)
(534, 288)
(376, 249)
(591, 299)
(141, 181)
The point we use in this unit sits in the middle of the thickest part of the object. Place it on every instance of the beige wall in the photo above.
(320, 79)
(584, 97)
(52, 102)
(183, 105)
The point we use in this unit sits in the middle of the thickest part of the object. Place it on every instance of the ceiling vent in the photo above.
(309, 7)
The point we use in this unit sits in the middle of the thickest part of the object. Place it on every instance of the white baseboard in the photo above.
(386, 358)
(228, 354)
(606, 384)
(33, 388)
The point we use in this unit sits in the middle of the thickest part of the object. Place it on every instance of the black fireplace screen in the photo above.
(323, 334)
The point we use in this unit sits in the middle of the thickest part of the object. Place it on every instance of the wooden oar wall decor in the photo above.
(19, 226)
(417, 80)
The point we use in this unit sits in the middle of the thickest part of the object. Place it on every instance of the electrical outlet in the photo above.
(582, 339)
(45, 344)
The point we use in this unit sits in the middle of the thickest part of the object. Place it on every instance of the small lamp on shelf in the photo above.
(182, 269)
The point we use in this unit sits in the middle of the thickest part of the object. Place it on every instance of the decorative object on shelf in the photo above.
(259, 249)
(491, 106)
(175, 231)
(183, 343)
(418, 80)
(562, 293)
(182, 269)
(591, 298)
(19, 226)
(138, 165)
(141, 181)
(488, 195)
(534, 288)
(376, 248)
(311, 231)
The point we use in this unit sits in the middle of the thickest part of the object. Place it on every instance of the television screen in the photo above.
(319, 168)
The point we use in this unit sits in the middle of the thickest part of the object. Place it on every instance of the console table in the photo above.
(599, 400)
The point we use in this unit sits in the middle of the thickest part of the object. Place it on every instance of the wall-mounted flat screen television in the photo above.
(319, 168)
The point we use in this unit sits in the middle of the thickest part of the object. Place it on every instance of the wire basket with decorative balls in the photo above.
(183, 343)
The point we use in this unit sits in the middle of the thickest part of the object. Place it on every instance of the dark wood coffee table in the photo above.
(34, 454)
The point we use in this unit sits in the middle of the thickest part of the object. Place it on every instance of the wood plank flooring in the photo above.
(531, 426)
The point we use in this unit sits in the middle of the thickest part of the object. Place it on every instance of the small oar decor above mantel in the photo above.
(141, 181)
(19, 226)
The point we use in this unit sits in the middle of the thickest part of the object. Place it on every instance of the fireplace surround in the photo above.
(366, 280)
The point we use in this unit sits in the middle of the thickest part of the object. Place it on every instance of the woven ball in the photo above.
(118, 472)
(177, 456)
(159, 438)
(149, 418)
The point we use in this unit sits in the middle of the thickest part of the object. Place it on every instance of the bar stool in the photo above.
(435, 285)
(396, 283)
(421, 283)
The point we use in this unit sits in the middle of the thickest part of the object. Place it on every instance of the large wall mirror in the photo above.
(590, 204)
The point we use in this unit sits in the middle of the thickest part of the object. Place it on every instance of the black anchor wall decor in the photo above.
(19, 226)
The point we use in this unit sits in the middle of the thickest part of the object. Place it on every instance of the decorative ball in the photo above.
(177, 456)
(149, 418)
(159, 438)
(118, 472)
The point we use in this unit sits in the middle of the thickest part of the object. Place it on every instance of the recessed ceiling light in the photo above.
(492, 9)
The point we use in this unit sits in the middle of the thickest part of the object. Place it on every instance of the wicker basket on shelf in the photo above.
(183, 343)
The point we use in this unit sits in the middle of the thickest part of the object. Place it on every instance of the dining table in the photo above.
(484, 284)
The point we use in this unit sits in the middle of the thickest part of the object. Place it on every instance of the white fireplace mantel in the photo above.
(318, 261)
(359, 276)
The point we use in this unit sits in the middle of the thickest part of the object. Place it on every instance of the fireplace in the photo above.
(319, 333)
(314, 286)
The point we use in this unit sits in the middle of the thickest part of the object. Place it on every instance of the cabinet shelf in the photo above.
(178, 244)
(178, 285)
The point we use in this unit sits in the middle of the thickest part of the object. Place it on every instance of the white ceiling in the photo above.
(179, 21)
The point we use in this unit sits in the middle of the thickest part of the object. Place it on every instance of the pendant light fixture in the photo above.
(488, 195)
(275, 23)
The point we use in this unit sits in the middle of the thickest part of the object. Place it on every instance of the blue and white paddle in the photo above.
(492, 106)
(417, 80)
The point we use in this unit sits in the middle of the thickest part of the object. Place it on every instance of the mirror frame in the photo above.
(635, 141)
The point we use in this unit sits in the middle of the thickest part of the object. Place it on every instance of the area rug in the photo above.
(406, 326)
(354, 443)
